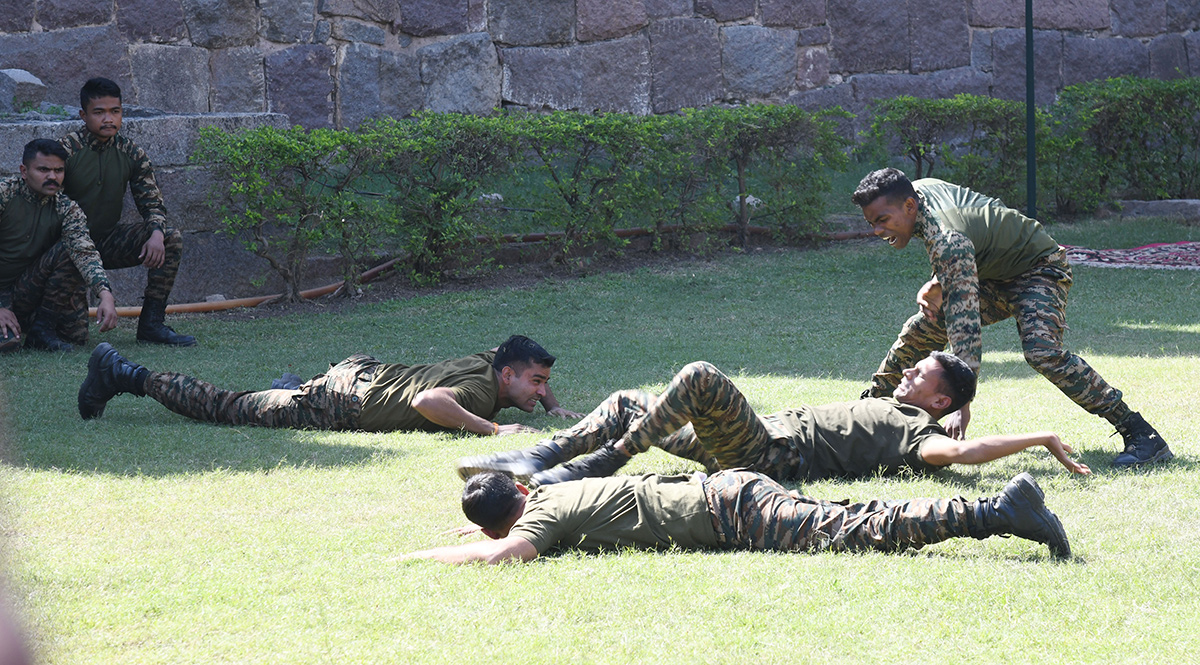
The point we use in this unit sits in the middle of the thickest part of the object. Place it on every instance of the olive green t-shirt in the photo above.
(860, 438)
(1007, 243)
(387, 403)
(594, 514)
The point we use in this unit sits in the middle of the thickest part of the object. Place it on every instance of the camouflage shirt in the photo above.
(30, 224)
(97, 173)
(970, 237)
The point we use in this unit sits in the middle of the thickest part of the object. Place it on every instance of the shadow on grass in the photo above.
(127, 448)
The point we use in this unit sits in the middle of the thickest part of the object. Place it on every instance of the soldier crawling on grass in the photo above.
(359, 393)
(702, 416)
(730, 510)
(990, 263)
(101, 164)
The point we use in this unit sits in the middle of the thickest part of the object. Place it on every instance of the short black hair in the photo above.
(98, 87)
(958, 380)
(490, 499)
(519, 352)
(888, 182)
(48, 147)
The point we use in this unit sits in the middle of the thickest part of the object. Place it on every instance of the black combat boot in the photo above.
(109, 375)
(1143, 444)
(9, 342)
(41, 333)
(1020, 510)
(152, 329)
(602, 463)
(520, 464)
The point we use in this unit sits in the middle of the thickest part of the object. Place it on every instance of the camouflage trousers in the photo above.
(51, 283)
(701, 416)
(329, 401)
(1037, 299)
(751, 511)
(121, 249)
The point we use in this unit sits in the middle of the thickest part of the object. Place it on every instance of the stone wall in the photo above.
(336, 62)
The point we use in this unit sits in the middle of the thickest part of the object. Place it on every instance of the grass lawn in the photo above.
(143, 537)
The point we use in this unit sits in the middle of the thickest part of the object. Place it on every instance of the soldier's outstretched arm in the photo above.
(508, 549)
(941, 451)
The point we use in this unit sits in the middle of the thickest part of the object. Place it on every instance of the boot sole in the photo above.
(519, 470)
(1059, 546)
(1164, 455)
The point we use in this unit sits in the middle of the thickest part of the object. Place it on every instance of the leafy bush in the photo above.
(290, 191)
(435, 165)
(1145, 133)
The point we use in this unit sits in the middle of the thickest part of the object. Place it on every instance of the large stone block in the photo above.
(158, 21)
(377, 11)
(54, 57)
(815, 36)
(607, 19)
(725, 10)
(793, 13)
(476, 16)
(1008, 64)
(288, 21)
(299, 84)
(939, 36)
(221, 23)
(375, 83)
(981, 50)
(21, 90)
(685, 64)
(238, 81)
(170, 140)
(998, 13)
(1071, 15)
(356, 31)
(668, 8)
(1139, 18)
(615, 76)
(1183, 15)
(1168, 57)
(531, 22)
(59, 14)
(849, 21)
(812, 67)
(170, 78)
(961, 80)
(423, 18)
(18, 17)
(869, 88)
(1193, 47)
(461, 74)
(536, 77)
(400, 89)
(187, 194)
(758, 62)
(1087, 59)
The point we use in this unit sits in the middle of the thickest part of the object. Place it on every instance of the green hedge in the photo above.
(1103, 140)
(427, 187)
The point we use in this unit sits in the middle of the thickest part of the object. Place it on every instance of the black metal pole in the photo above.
(1030, 117)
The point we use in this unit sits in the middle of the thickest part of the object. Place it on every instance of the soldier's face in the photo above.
(44, 174)
(893, 222)
(103, 117)
(922, 386)
(526, 388)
